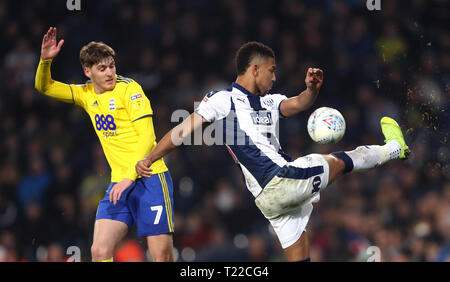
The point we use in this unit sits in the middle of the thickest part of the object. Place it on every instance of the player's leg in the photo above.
(291, 232)
(161, 247)
(111, 225)
(299, 251)
(107, 234)
(336, 167)
(151, 203)
(367, 157)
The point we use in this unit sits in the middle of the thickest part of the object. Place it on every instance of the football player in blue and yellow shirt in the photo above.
(122, 118)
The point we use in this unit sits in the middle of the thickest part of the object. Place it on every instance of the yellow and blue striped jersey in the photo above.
(114, 115)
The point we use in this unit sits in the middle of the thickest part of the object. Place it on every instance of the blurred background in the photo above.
(394, 62)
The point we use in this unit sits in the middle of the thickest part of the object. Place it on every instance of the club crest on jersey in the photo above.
(261, 118)
(112, 104)
(267, 102)
(137, 100)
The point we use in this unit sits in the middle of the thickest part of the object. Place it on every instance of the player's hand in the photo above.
(314, 79)
(143, 168)
(49, 48)
(118, 188)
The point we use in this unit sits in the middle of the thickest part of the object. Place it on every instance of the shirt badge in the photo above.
(137, 100)
(112, 104)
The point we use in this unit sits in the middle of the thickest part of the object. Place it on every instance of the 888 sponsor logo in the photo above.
(103, 122)
(106, 124)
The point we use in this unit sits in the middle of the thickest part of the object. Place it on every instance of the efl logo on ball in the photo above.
(326, 126)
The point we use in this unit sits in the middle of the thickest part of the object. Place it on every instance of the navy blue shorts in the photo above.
(148, 202)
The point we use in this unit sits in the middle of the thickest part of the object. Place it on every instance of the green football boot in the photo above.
(391, 131)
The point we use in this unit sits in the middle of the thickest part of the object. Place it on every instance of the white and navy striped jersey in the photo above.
(250, 126)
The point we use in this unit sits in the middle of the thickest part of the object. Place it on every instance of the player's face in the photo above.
(103, 75)
(265, 77)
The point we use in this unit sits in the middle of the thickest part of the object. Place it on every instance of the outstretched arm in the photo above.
(43, 80)
(301, 102)
(169, 142)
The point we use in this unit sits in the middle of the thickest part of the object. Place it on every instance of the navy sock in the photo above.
(347, 160)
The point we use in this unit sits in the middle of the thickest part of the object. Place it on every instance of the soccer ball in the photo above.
(326, 125)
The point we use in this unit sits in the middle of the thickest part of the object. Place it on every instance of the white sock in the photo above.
(367, 157)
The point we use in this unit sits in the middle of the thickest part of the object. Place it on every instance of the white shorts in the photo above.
(287, 199)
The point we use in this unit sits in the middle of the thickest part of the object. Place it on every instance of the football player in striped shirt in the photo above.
(121, 115)
(284, 189)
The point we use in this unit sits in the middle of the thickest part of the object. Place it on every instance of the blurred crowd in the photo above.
(393, 62)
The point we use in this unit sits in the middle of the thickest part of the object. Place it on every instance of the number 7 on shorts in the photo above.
(158, 210)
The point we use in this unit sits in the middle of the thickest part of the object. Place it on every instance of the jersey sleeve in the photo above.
(77, 91)
(215, 106)
(68, 93)
(45, 84)
(136, 102)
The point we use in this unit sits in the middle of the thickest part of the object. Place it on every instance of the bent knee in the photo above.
(163, 257)
(164, 254)
(101, 252)
(336, 167)
(334, 162)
